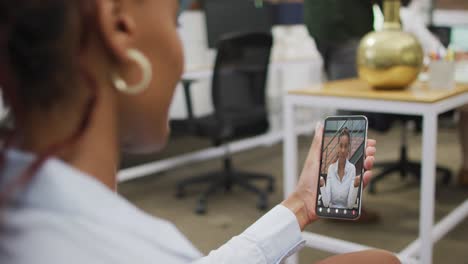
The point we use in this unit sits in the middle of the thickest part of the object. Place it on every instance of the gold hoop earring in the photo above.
(121, 85)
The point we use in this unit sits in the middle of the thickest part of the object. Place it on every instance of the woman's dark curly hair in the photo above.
(40, 46)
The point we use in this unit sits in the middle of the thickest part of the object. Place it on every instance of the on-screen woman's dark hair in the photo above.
(40, 46)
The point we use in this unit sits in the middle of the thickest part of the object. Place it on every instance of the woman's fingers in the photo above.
(367, 178)
(371, 142)
(369, 162)
(370, 151)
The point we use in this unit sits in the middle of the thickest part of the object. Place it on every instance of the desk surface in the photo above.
(208, 67)
(355, 88)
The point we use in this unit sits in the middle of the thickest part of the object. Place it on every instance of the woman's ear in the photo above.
(116, 26)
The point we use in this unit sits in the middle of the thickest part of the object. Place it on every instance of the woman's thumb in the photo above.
(317, 142)
(314, 151)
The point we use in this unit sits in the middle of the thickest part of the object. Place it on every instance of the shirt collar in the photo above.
(59, 187)
(346, 169)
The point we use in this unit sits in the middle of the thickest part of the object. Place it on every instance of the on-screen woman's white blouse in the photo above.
(340, 193)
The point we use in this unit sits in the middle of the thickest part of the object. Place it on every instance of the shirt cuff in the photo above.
(277, 234)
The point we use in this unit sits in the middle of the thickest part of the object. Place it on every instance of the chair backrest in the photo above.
(442, 33)
(240, 72)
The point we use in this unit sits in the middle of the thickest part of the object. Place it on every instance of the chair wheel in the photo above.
(262, 203)
(403, 174)
(228, 187)
(201, 207)
(180, 194)
(446, 179)
(271, 187)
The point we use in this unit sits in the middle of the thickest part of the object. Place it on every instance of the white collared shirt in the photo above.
(340, 193)
(66, 216)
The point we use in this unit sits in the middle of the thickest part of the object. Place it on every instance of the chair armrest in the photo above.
(186, 84)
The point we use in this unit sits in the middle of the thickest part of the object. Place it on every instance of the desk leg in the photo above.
(289, 156)
(428, 161)
(290, 149)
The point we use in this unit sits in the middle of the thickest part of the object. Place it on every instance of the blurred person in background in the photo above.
(337, 28)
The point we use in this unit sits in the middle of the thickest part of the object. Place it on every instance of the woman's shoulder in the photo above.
(350, 165)
(53, 237)
(44, 235)
(332, 167)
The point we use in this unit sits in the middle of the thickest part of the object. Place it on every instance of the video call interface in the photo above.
(341, 168)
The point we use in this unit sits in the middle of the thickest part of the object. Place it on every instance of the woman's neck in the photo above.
(96, 152)
(341, 164)
(341, 168)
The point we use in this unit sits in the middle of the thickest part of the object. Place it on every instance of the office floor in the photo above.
(396, 200)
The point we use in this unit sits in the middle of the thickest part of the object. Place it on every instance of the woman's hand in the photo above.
(302, 201)
(322, 182)
(357, 179)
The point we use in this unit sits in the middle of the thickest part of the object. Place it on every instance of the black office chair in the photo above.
(240, 111)
(403, 165)
(443, 33)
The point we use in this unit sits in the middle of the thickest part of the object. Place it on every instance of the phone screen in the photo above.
(341, 167)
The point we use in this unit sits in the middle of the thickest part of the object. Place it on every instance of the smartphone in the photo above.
(342, 158)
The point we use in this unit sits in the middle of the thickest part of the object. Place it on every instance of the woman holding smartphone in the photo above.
(342, 185)
(84, 79)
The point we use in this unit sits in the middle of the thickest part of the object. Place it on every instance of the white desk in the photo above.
(358, 96)
(198, 72)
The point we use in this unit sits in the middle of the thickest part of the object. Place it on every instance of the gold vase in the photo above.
(391, 58)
